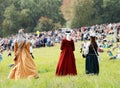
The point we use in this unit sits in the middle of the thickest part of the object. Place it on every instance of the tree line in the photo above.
(79, 13)
(32, 15)
(45, 15)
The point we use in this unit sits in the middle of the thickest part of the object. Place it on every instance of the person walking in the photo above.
(91, 53)
(66, 64)
(24, 66)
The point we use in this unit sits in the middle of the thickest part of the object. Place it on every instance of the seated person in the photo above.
(117, 56)
(100, 50)
(116, 46)
(81, 47)
(1, 50)
(111, 55)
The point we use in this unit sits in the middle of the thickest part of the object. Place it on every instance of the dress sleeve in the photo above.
(86, 50)
(15, 47)
(28, 47)
(62, 45)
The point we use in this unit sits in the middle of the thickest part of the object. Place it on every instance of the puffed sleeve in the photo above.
(73, 46)
(62, 45)
(86, 50)
(15, 47)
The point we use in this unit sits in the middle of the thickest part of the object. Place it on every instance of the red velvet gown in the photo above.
(66, 64)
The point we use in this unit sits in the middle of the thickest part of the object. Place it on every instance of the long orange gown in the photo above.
(24, 66)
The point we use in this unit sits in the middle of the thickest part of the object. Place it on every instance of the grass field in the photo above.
(46, 60)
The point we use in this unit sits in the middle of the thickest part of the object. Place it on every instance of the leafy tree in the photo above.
(98, 6)
(44, 24)
(11, 17)
(111, 12)
(3, 5)
(15, 14)
(57, 26)
(83, 13)
(67, 9)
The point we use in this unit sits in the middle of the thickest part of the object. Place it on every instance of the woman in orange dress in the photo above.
(24, 66)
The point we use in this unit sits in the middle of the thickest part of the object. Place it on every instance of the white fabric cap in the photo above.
(93, 34)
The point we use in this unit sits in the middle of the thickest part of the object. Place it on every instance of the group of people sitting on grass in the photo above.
(51, 37)
(116, 55)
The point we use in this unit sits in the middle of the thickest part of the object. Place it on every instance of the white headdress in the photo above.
(92, 34)
(68, 35)
(21, 36)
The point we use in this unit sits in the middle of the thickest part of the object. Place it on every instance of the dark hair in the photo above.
(93, 42)
(67, 31)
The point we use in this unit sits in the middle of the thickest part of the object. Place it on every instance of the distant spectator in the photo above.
(1, 49)
(31, 50)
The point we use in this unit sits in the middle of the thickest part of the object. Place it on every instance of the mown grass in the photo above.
(46, 60)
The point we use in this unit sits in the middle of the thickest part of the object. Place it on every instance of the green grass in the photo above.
(46, 60)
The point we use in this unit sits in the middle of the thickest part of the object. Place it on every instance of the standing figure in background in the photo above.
(24, 66)
(9, 52)
(31, 50)
(66, 64)
(91, 53)
(82, 46)
(1, 49)
(9, 47)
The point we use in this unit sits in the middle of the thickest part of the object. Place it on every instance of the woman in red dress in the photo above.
(66, 64)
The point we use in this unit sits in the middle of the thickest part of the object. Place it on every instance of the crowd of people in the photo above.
(51, 37)
(67, 37)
